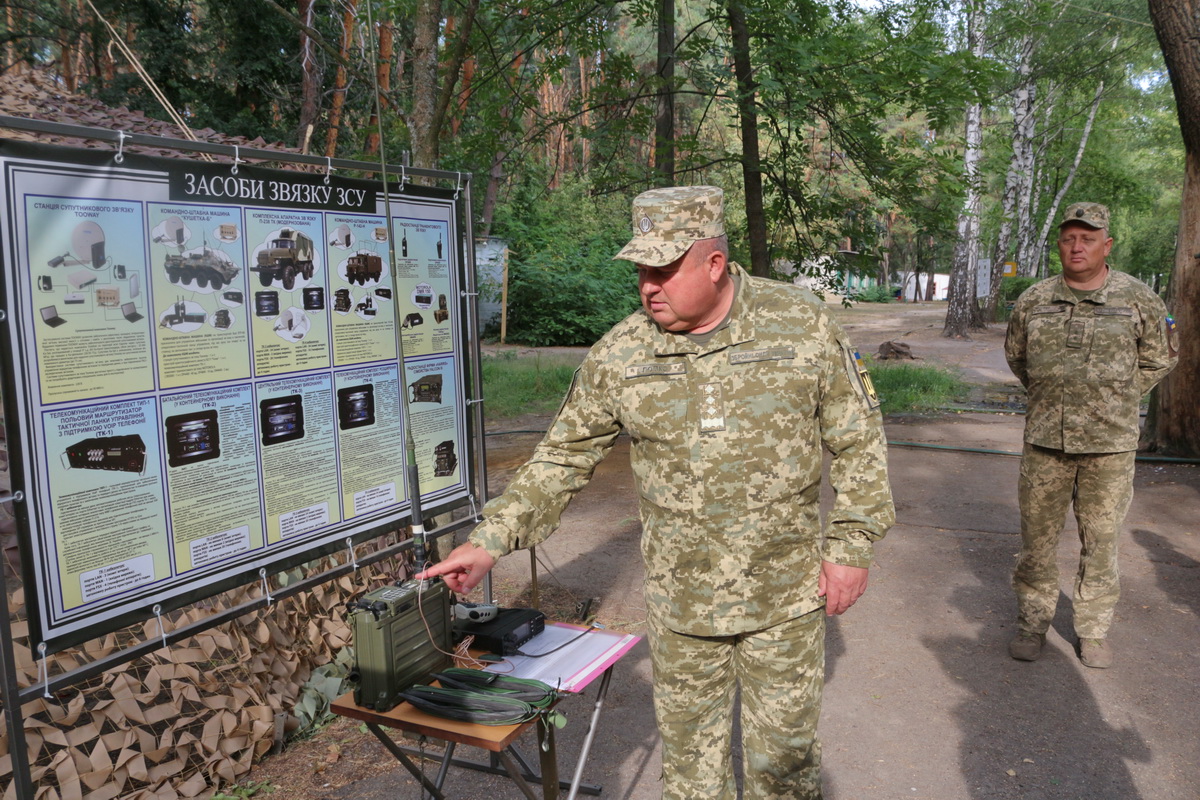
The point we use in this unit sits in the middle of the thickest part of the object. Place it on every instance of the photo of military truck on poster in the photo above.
(203, 371)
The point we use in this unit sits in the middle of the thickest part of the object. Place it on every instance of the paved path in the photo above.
(922, 700)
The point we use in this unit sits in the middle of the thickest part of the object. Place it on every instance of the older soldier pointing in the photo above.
(729, 387)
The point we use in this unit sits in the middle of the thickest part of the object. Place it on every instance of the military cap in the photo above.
(1093, 215)
(667, 221)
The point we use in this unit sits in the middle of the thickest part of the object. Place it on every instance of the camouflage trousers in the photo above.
(1100, 486)
(781, 672)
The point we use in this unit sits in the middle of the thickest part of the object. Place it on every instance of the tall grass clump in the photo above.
(515, 385)
(911, 387)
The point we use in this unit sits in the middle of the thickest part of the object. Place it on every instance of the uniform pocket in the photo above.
(1113, 357)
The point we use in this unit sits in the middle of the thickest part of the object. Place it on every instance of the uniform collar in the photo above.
(739, 330)
(1064, 293)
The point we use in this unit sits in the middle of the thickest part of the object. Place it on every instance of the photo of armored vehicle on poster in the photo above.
(204, 267)
(288, 255)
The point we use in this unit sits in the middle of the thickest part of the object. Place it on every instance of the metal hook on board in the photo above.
(236, 160)
(457, 185)
(262, 573)
(120, 156)
(403, 178)
(162, 631)
(44, 671)
(353, 558)
(328, 169)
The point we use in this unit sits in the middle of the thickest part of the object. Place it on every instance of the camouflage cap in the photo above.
(1093, 215)
(667, 221)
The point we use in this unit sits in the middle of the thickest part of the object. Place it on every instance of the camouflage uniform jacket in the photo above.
(726, 454)
(1087, 364)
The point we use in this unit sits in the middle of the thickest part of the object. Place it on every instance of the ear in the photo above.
(717, 266)
(1108, 246)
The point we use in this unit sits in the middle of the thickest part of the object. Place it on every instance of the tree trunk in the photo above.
(962, 310)
(383, 75)
(1177, 429)
(664, 117)
(756, 221)
(310, 87)
(422, 135)
(339, 87)
(1052, 213)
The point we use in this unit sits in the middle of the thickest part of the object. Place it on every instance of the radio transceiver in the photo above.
(123, 453)
(393, 647)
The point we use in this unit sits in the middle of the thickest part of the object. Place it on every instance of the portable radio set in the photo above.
(404, 633)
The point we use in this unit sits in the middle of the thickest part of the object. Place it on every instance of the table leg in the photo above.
(548, 756)
(587, 741)
(515, 774)
(434, 791)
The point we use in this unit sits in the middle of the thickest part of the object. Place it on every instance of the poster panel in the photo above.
(203, 374)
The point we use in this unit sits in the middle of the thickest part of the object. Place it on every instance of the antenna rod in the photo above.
(412, 475)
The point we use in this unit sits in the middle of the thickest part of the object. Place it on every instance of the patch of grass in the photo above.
(910, 387)
(515, 385)
(521, 384)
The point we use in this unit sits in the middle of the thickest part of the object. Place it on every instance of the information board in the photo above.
(203, 375)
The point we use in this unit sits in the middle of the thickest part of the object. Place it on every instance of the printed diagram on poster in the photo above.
(207, 373)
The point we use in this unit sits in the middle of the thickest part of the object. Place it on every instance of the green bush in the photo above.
(873, 294)
(563, 286)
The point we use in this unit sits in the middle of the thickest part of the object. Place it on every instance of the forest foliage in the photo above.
(552, 105)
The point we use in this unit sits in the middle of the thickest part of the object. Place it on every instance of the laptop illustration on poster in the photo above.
(50, 317)
(129, 310)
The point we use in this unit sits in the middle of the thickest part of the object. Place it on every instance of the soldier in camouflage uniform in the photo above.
(729, 387)
(1087, 345)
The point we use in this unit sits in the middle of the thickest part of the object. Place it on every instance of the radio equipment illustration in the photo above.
(282, 419)
(121, 453)
(314, 298)
(192, 438)
(342, 301)
(428, 389)
(444, 460)
(393, 650)
(442, 314)
(356, 406)
(412, 320)
(266, 304)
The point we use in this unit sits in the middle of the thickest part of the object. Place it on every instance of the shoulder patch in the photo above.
(1172, 337)
(860, 377)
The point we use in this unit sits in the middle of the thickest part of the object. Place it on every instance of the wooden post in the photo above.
(504, 297)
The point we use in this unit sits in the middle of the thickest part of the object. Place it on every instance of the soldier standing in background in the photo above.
(1087, 345)
(728, 386)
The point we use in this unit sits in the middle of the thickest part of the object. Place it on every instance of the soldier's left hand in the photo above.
(841, 586)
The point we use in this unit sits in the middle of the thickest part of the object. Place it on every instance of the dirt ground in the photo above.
(936, 618)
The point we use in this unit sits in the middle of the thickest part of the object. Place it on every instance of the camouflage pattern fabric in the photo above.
(1102, 487)
(1087, 364)
(726, 453)
(1093, 215)
(781, 672)
(667, 221)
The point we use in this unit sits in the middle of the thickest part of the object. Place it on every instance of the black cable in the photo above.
(555, 650)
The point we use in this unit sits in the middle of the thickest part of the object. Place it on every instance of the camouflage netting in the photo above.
(188, 719)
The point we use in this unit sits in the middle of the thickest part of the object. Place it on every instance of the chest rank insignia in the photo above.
(712, 408)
